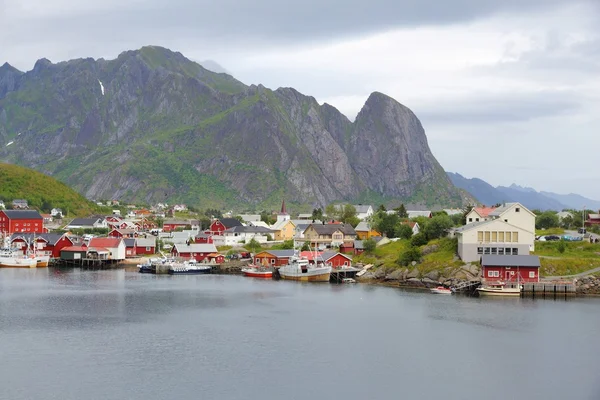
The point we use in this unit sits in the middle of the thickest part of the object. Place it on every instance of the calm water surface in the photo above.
(68, 334)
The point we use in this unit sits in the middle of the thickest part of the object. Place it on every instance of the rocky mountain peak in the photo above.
(41, 64)
(9, 79)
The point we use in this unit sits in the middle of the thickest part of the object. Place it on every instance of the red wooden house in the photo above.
(275, 258)
(203, 238)
(347, 247)
(218, 226)
(130, 247)
(592, 219)
(197, 251)
(145, 245)
(51, 243)
(336, 260)
(123, 233)
(510, 268)
(12, 221)
(216, 258)
(171, 224)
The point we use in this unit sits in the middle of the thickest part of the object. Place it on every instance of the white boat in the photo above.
(348, 280)
(440, 290)
(300, 269)
(499, 289)
(12, 258)
(189, 268)
(255, 271)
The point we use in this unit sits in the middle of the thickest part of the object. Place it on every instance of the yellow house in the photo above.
(364, 231)
(284, 229)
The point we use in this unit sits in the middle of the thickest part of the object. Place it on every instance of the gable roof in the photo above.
(363, 226)
(507, 206)
(105, 242)
(149, 241)
(195, 248)
(176, 222)
(50, 238)
(414, 214)
(489, 260)
(230, 222)
(129, 242)
(330, 254)
(248, 229)
(280, 253)
(83, 221)
(280, 224)
(484, 211)
(329, 229)
(363, 209)
(22, 214)
(359, 244)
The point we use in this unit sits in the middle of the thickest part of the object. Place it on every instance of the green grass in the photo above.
(551, 231)
(567, 266)
(578, 257)
(572, 250)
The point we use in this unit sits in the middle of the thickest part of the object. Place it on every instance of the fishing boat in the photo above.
(300, 269)
(257, 271)
(13, 258)
(499, 289)
(191, 267)
(41, 260)
(440, 290)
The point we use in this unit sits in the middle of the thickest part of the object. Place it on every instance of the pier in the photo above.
(339, 274)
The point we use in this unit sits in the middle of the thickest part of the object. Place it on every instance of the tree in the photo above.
(437, 227)
(305, 247)
(333, 211)
(567, 222)
(401, 211)
(381, 208)
(348, 214)
(317, 214)
(269, 237)
(369, 245)
(386, 223)
(404, 231)
(253, 245)
(287, 245)
(239, 218)
(420, 239)
(561, 247)
(267, 218)
(408, 256)
(545, 220)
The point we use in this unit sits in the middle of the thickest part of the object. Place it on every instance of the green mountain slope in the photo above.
(154, 126)
(41, 192)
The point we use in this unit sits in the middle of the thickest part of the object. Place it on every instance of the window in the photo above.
(272, 261)
(508, 237)
(148, 248)
(507, 251)
(501, 236)
(501, 251)
(494, 250)
(480, 250)
(505, 220)
(517, 209)
(515, 251)
(470, 219)
(532, 274)
(487, 237)
(493, 274)
(257, 260)
(494, 237)
(480, 236)
(486, 250)
(515, 237)
(477, 219)
(345, 263)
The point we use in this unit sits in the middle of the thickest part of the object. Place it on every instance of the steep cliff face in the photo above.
(152, 125)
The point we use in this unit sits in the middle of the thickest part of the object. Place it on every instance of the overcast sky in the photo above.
(508, 90)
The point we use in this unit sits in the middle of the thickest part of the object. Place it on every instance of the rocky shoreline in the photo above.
(588, 285)
(414, 278)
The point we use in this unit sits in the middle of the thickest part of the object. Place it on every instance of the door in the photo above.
(508, 276)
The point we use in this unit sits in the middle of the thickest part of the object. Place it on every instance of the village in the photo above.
(500, 240)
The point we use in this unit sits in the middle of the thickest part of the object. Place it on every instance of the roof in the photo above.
(304, 215)
(475, 225)
(359, 244)
(414, 214)
(176, 222)
(50, 238)
(280, 253)
(146, 241)
(250, 217)
(75, 248)
(328, 229)
(489, 260)
(195, 248)
(362, 209)
(593, 216)
(259, 223)
(248, 229)
(83, 221)
(280, 224)
(330, 254)
(105, 242)
(483, 211)
(363, 226)
(230, 222)
(22, 214)
(124, 231)
(129, 242)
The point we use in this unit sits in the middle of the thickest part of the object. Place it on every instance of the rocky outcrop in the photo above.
(413, 277)
(588, 285)
(152, 124)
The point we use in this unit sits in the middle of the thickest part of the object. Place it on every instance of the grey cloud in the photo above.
(502, 108)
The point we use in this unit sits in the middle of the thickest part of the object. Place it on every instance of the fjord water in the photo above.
(71, 334)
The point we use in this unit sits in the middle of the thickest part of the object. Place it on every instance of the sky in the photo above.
(508, 91)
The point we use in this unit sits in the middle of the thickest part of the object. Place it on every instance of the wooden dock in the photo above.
(338, 274)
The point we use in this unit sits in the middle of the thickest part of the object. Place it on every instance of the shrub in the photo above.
(561, 247)
(404, 231)
(408, 256)
(418, 240)
(369, 245)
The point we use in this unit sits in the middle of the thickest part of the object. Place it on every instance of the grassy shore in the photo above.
(577, 257)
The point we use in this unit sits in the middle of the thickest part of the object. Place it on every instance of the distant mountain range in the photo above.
(529, 197)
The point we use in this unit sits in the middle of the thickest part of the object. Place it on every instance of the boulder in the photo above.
(433, 275)
(413, 273)
(430, 249)
(414, 282)
(471, 269)
(430, 282)
(379, 273)
(396, 275)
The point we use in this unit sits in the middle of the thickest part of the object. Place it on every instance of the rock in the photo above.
(396, 275)
(414, 282)
(413, 273)
(471, 269)
(433, 275)
(430, 282)
(430, 249)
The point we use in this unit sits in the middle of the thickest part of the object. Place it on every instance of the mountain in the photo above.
(213, 66)
(485, 193)
(41, 191)
(152, 125)
(529, 197)
(574, 201)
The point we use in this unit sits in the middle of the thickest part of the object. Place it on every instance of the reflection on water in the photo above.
(73, 334)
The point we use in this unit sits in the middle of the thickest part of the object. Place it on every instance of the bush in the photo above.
(561, 247)
(410, 255)
(269, 237)
(369, 245)
(437, 227)
(404, 231)
(419, 240)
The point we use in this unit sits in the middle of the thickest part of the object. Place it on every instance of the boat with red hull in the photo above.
(253, 271)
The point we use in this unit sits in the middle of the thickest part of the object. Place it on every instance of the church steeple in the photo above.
(283, 210)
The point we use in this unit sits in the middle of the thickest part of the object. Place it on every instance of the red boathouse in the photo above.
(510, 268)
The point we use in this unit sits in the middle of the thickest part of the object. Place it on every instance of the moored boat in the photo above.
(189, 268)
(12, 258)
(440, 290)
(254, 271)
(300, 269)
(499, 289)
(42, 261)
